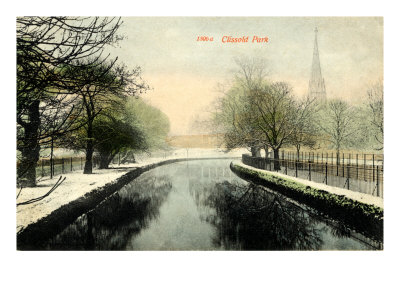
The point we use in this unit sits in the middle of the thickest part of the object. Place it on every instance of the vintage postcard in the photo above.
(199, 133)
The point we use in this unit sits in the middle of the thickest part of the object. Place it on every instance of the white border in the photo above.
(199, 275)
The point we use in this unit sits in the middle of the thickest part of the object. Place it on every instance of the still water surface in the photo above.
(202, 205)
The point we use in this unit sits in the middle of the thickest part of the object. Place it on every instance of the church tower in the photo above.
(316, 88)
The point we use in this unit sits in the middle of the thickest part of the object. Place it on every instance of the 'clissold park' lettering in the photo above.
(244, 39)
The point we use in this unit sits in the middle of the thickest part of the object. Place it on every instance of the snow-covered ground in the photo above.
(77, 184)
(364, 198)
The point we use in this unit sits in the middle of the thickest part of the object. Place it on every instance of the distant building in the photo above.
(316, 88)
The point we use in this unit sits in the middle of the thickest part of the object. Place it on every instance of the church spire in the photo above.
(316, 87)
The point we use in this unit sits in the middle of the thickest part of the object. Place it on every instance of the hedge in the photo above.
(364, 218)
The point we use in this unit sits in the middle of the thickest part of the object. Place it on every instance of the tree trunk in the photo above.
(129, 156)
(30, 148)
(277, 166)
(266, 151)
(255, 151)
(337, 156)
(88, 169)
(104, 161)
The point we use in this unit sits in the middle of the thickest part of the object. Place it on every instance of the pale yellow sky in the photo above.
(184, 73)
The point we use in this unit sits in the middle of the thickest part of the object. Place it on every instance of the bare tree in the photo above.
(233, 113)
(305, 131)
(44, 46)
(375, 106)
(273, 110)
(233, 118)
(338, 125)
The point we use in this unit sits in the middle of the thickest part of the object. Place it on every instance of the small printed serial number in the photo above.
(205, 39)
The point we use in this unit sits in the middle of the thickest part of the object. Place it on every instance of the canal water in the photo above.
(202, 205)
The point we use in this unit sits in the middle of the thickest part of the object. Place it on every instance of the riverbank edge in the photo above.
(45, 228)
(364, 218)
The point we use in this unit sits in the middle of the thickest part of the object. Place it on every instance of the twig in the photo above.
(19, 192)
(56, 185)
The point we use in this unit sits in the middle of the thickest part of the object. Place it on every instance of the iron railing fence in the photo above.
(63, 165)
(365, 178)
(352, 158)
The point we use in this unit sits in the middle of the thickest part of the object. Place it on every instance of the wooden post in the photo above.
(309, 171)
(71, 164)
(42, 167)
(295, 164)
(348, 177)
(62, 165)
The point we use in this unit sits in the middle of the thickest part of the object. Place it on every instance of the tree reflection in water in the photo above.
(248, 217)
(111, 224)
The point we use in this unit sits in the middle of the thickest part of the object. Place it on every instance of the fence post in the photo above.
(62, 165)
(295, 164)
(42, 167)
(326, 172)
(357, 166)
(377, 181)
(364, 167)
(343, 164)
(348, 177)
(71, 164)
(373, 167)
(309, 171)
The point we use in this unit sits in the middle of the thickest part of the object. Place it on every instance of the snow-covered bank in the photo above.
(77, 184)
(360, 197)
